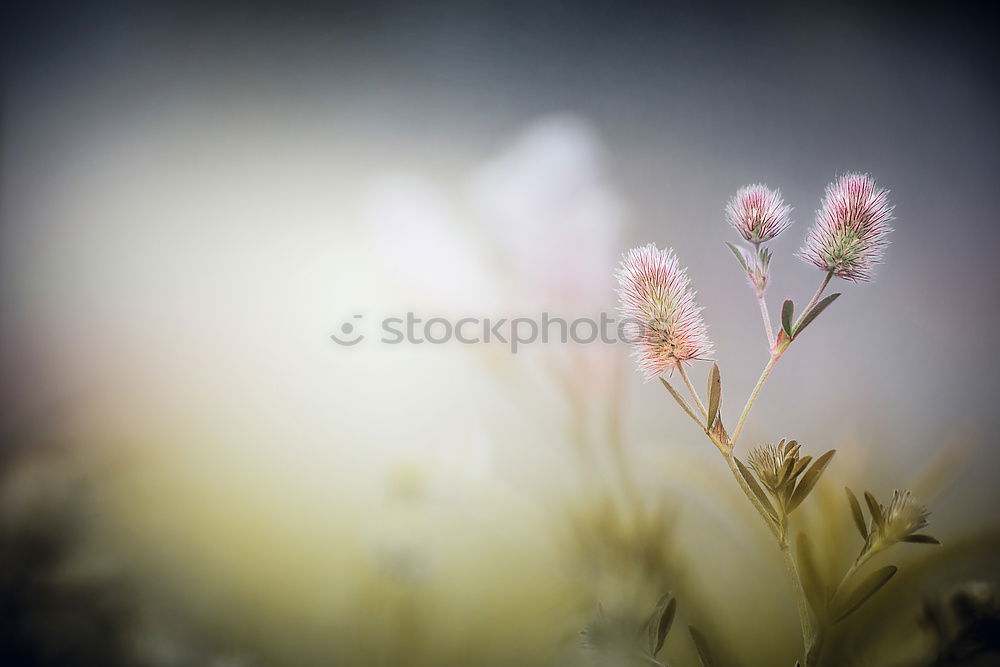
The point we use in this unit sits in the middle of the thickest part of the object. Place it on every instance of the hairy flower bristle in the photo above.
(852, 225)
(758, 213)
(904, 517)
(771, 462)
(662, 321)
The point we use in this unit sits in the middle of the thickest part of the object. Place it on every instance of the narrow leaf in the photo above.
(755, 487)
(786, 317)
(918, 538)
(859, 517)
(814, 313)
(809, 479)
(714, 394)
(875, 508)
(786, 472)
(700, 645)
(680, 401)
(663, 627)
(652, 625)
(800, 466)
(812, 582)
(739, 256)
(867, 588)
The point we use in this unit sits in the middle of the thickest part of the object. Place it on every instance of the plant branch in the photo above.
(775, 355)
(764, 514)
(801, 602)
(813, 301)
(694, 393)
(767, 322)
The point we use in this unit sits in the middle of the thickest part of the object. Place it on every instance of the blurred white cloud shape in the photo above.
(547, 202)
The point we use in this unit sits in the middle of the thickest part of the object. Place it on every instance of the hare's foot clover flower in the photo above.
(851, 230)
(758, 213)
(662, 320)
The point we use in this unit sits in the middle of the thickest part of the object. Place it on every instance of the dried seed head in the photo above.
(775, 464)
(849, 236)
(904, 517)
(758, 213)
(662, 321)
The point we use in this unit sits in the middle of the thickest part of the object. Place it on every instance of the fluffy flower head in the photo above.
(849, 236)
(758, 213)
(661, 318)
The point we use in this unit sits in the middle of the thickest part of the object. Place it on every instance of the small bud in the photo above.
(900, 521)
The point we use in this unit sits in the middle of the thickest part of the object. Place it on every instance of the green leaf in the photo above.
(739, 256)
(755, 487)
(809, 479)
(786, 317)
(700, 645)
(663, 625)
(650, 628)
(814, 313)
(918, 538)
(680, 401)
(714, 394)
(867, 588)
(876, 510)
(812, 582)
(859, 517)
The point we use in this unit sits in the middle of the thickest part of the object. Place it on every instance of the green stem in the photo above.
(694, 393)
(809, 635)
(756, 392)
(862, 558)
(801, 602)
(776, 353)
(814, 300)
(764, 514)
(767, 321)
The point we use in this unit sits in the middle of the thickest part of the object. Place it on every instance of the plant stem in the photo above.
(809, 636)
(775, 355)
(767, 321)
(694, 393)
(862, 558)
(814, 300)
(764, 514)
(801, 602)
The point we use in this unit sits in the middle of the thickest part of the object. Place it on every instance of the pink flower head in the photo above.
(849, 236)
(661, 318)
(758, 213)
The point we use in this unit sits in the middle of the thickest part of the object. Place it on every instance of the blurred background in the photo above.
(194, 199)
